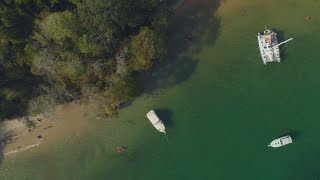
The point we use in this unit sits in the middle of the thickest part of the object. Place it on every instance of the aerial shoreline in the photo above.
(220, 104)
(24, 140)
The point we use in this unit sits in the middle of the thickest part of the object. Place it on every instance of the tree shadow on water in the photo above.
(195, 19)
(166, 117)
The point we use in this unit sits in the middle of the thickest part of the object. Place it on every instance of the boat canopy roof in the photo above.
(286, 140)
(152, 116)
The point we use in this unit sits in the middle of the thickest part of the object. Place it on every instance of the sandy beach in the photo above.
(29, 132)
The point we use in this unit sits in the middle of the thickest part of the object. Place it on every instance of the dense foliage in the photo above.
(57, 51)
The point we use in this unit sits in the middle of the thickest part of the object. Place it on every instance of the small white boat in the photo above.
(156, 122)
(282, 141)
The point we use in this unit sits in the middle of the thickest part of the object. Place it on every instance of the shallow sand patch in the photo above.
(17, 136)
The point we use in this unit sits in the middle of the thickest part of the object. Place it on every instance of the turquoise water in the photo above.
(221, 105)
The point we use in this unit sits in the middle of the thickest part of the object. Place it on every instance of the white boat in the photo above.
(269, 46)
(156, 122)
(282, 141)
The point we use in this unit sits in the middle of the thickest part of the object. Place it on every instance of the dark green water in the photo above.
(221, 105)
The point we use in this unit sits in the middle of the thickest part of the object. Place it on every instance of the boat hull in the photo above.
(279, 142)
(156, 122)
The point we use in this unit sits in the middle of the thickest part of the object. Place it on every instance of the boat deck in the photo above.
(268, 49)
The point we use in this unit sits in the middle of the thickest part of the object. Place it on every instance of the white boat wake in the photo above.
(16, 150)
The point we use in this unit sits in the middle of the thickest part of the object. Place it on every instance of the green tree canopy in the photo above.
(145, 47)
(58, 26)
(56, 51)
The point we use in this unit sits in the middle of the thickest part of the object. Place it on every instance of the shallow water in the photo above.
(221, 105)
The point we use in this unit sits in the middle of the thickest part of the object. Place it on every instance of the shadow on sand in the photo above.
(166, 116)
(1, 152)
(2, 145)
(195, 19)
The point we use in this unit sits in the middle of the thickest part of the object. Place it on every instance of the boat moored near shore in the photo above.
(156, 122)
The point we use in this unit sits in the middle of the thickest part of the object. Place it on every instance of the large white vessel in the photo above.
(282, 141)
(269, 46)
(156, 122)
